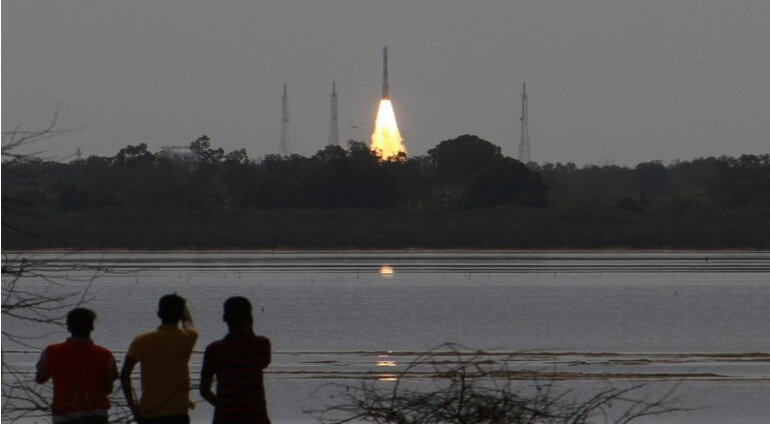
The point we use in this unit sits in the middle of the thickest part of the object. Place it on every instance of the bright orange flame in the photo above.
(386, 140)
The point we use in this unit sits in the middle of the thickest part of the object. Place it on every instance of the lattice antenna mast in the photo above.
(334, 132)
(524, 154)
(285, 144)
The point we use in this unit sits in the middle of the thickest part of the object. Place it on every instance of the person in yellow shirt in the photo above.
(164, 354)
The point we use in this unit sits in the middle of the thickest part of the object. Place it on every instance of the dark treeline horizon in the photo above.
(463, 193)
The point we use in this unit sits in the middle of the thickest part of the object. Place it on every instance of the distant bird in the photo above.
(263, 309)
(354, 127)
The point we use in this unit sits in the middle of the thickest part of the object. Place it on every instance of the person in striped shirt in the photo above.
(237, 362)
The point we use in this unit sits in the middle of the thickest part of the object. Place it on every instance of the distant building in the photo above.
(179, 153)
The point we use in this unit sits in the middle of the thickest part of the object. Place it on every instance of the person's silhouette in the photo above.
(164, 354)
(83, 373)
(237, 362)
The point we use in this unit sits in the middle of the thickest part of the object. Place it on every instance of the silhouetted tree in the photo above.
(206, 155)
(651, 178)
(330, 152)
(131, 155)
(137, 198)
(456, 160)
(507, 181)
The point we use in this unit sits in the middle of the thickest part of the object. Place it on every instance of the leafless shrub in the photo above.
(37, 293)
(17, 138)
(469, 388)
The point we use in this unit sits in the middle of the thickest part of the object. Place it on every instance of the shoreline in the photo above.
(625, 250)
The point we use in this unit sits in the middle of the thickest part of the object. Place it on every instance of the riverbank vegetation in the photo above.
(463, 194)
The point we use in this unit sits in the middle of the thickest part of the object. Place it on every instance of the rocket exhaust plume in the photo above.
(386, 138)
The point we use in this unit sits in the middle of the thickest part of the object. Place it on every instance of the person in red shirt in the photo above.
(237, 362)
(83, 373)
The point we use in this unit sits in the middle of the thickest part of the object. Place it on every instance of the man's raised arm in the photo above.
(187, 321)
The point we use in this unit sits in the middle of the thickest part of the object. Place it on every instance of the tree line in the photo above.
(462, 193)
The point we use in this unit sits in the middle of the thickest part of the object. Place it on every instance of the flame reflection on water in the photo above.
(386, 271)
(384, 361)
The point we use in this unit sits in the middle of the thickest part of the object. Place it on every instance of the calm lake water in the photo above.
(357, 315)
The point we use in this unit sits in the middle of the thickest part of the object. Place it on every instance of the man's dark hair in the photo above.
(80, 321)
(237, 310)
(171, 308)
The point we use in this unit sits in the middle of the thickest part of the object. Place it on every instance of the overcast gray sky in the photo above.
(624, 81)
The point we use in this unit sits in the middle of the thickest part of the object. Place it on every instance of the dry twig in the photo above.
(471, 390)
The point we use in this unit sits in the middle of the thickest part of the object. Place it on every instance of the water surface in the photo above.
(352, 315)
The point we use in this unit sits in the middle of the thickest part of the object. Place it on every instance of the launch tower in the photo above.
(285, 148)
(334, 133)
(524, 154)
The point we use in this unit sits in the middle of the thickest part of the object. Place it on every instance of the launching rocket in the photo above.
(385, 85)
(386, 139)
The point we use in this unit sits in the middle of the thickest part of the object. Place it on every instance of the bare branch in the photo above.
(473, 389)
(40, 291)
(17, 138)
